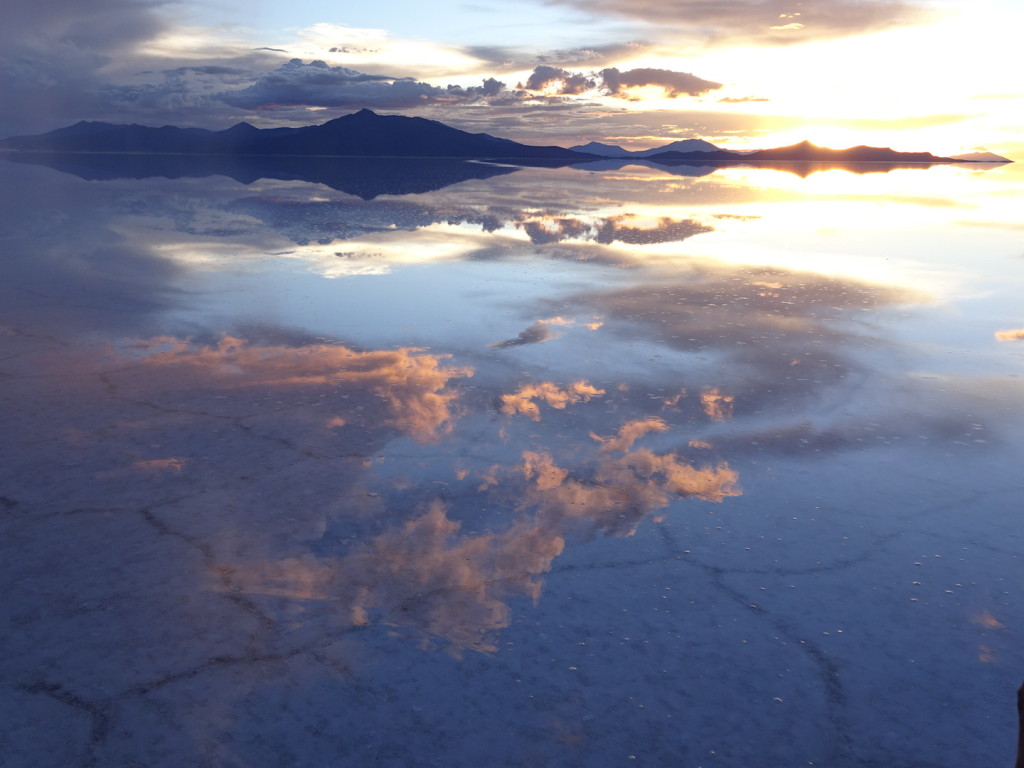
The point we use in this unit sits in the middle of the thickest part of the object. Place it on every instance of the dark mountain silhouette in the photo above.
(805, 151)
(983, 157)
(362, 134)
(365, 134)
(718, 157)
(612, 150)
(365, 177)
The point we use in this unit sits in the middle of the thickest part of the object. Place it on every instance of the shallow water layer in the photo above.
(465, 465)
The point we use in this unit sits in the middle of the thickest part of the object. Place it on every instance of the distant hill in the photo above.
(362, 134)
(699, 153)
(982, 157)
(612, 150)
(805, 151)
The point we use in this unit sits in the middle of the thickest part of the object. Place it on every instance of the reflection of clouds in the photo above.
(621, 490)
(424, 575)
(326, 221)
(408, 381)
(428, 577)
(523, 401)
(541, 331)
(535, 334)
(759, 319)
(716, 405)
(629, 433)
(555, 229)
(1016, 334)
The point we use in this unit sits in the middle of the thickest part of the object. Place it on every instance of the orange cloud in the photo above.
(1012, 335)
(987, 620)
(408, 381)
(629, 433)
(622, 490)
(557, 320)
(717, 406)
(428, 577)
(547, 392)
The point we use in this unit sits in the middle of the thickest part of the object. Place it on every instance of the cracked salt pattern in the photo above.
(547, 467)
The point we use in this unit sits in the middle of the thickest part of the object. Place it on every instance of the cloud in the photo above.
(507, 58)
(760, 320)
(675, 83)
(427, 576)
(566, 82)
(629, 433)
(548, 392)
(410, 384)
(773, 22)
(620, 491)
(1016, 334)
(612, 82)
(535, 334)
(321, 85)
(52, 51)
(555, 229)
(716, 405)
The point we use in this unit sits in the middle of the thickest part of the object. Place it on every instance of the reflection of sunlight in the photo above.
(377, 254)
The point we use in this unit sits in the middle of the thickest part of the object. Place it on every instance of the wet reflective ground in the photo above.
(464, 465)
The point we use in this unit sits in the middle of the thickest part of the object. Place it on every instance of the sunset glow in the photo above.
(916, 76)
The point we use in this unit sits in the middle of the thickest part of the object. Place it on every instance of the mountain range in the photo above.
(611, 150)
(366, 134)
(361, 134)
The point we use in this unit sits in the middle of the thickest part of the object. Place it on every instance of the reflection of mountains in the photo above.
(695, 167)
(371, 177)
(364, 177)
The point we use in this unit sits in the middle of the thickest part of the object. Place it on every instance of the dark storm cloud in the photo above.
(768, 21)
(490, 88)
(321, 85)
(51, 51)
(317, 84)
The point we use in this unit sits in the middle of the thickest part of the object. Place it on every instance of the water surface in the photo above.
(450, 464)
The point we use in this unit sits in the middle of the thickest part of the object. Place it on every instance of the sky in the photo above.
(929, 75)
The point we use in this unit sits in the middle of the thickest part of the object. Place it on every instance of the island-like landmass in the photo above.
(366, 134)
